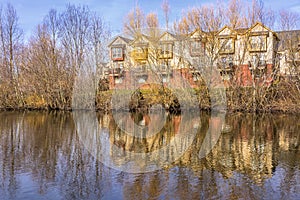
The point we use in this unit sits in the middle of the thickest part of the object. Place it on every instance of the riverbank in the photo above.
(283, 96)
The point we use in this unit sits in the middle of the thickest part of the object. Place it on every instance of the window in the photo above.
(297, 56)
(196, 47)
(118, 65)
(117, 53)
(258, 43)
(165, 78)
(166, 50)
(118, 80)
(142, 80)
(196, 77)
(226, 45)
(163, 68)
(226, 77)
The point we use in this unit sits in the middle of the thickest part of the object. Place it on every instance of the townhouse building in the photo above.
(243, 57)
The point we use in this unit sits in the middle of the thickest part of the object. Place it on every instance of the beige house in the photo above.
(289, 52)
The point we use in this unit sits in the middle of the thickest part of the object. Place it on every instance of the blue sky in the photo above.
(31, 13)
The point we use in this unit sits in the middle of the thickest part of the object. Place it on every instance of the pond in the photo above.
(82, 155)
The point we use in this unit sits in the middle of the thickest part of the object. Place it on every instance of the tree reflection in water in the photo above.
(42, 157)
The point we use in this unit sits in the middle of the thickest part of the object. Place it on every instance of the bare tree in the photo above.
(51, 22)
(74, 29)
(166, 9)
(11, 46)
(63, 45)
(45, 75)
(134, 21)
(12, 34)
(152, 24)
(152, 20)
(258, 13)
(99, 37)
(288, 20)
(2, 46)
(234, 14)
(207, 18)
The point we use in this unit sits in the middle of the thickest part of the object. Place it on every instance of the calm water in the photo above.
(42, 156)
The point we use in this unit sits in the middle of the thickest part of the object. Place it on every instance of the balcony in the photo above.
(116, 72)
(139, 54)
(262, 65)
(165, 54)
(293, 59)
(164, 70)
(166, 50)
(106, 72)
(226, 66)
(195, 70)
(257, 67)
(140, 71)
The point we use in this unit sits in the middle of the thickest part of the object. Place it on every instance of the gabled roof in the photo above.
(201, 33)
(232, 31)
(126, 40)
(241, 31)
(262, 25)
(139, 38)
(168, 33)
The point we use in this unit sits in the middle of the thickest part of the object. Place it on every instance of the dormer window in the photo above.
(117, 53)
(166, 51)
(226, 45)
(196, 47)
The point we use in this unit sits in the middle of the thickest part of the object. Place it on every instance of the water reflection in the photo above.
(42, 157)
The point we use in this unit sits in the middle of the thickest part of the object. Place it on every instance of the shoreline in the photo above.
(99, 110)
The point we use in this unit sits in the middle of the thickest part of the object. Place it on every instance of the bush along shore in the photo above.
(282, 96)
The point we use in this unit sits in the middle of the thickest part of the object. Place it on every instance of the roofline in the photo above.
(226, 26)
(264, 26)
(115, 38)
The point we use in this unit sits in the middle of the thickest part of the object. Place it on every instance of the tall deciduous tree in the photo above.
(74, 29)
(63, 45)
(258, 13)
(166, 9)
(234, 14)
(288, 20)
(152, 20)
(51, 23)
(152, 24)
(100, 34)
(134, 21)
(11, 49)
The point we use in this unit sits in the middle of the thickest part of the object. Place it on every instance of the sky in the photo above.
(31, 13)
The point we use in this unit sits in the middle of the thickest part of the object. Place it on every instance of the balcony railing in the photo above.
(227, 66)
(139, 54)
(140, 71)
(195, 70)
(257, 68)
(163, 70)
(165, 54)
(116, 72)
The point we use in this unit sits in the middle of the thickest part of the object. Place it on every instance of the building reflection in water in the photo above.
(42, 157)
